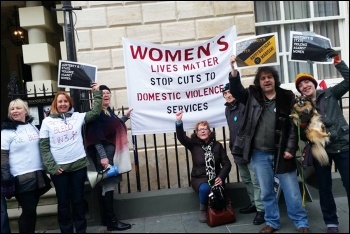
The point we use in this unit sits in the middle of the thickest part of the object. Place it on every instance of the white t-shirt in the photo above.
(23, 146)
(66, 141)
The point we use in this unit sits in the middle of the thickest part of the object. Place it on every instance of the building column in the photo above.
(38, 53)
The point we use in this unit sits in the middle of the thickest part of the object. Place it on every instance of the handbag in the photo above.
(44, 184)
(122, 161)
(307, 155)
(217, 197)
(217, 215)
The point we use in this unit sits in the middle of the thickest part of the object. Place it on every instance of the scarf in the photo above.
(209, 161)
(112, 129)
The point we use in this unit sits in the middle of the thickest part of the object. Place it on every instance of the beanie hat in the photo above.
(304, 76)
(226, 87)
(103, 87)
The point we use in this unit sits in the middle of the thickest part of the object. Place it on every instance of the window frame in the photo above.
(343, 27)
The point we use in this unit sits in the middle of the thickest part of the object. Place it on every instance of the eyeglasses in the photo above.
(202, 129)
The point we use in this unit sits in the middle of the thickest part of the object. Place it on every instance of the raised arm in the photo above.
(180, 133)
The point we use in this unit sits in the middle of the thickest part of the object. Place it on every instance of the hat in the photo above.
(304, 76)
(103, 87)
(226, 87)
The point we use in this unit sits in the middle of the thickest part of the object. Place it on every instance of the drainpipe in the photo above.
(70, 46)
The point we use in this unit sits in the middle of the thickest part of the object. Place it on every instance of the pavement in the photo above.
(188, 222)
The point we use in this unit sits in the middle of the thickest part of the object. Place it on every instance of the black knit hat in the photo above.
(103, 87)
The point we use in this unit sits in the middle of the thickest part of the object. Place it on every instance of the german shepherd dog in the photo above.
(305, 115)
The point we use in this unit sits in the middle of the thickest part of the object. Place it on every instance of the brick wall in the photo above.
(100, 27)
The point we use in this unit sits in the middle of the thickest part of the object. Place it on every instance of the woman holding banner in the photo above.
(104, 137)
(327, 103)
(64, 157)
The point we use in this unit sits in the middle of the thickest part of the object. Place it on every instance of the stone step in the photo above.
(46, 217)
(47, 210)
(48, 198)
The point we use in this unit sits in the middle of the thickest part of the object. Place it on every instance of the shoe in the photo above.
(332, 230)
(259, 218)
(248, 210)
(303, 230)
(115, 225)
(202, 216)
(268, 229)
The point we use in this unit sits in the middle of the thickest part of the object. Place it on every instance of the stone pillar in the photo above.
(38, 53)
(60, 21)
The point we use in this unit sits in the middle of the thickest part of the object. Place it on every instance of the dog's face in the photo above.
(303, 105)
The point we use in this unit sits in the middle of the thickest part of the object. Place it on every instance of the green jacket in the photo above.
(49, 163)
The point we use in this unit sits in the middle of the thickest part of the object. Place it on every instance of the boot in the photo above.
(112, 221)
(103, 212)
(202, 217)
(113, 224)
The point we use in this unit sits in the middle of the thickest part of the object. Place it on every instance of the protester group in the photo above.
(263, 143)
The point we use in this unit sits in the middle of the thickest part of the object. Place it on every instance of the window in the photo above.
(326, 18)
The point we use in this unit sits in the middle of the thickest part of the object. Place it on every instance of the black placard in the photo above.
(76, 75)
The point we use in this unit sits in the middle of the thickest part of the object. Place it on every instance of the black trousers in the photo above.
(70, 200)
(27, 220)
(106, 206)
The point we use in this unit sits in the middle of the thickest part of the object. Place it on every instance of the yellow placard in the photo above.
(257, 51)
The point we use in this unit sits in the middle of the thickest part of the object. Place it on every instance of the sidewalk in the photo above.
(188, 222)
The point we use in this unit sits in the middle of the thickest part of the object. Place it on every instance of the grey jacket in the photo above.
(327, 102)
(234, 115)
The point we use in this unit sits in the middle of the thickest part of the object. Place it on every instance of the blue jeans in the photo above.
(262, 164)
(5, 226)
(70, 193)
(204, 190)
(324, 179)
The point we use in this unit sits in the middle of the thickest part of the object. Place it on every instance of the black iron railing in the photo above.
(159, 160)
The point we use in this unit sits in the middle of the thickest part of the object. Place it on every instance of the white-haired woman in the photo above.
(22, 171)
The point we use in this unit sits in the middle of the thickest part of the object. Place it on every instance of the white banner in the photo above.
(162, 80)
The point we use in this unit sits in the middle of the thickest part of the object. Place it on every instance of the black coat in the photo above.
(198, 172)
(286, 138)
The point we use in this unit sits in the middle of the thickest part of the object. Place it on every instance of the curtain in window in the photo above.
(266, 11)
(296, 10)
(326, 8)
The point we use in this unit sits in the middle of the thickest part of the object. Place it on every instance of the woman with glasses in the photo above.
(209, 159)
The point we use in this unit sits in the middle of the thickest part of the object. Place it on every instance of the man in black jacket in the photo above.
(268, 140)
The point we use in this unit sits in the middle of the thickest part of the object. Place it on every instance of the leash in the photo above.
(302, 167)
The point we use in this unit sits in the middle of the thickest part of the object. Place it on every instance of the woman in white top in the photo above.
(21, 163)
(64, 157)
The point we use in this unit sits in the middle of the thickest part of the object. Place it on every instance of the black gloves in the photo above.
(331, 53)
(8, 188)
